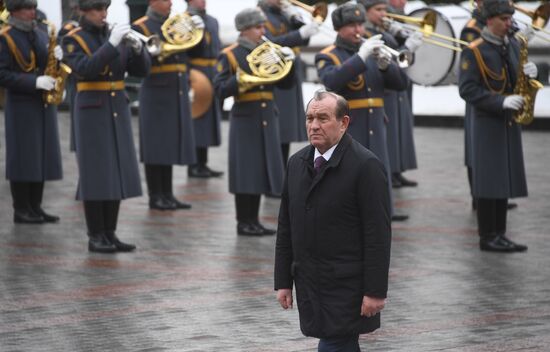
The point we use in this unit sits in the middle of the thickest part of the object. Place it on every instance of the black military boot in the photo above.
(98, 243)
(24, 216)
(120, 246)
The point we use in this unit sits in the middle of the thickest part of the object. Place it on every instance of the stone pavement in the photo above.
(194, 285)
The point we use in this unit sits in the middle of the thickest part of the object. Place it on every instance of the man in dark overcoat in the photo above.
(334, 233)
(350, 69)
(397, 105)
(166, 129)
(255, 160)
(202, 58)
(284, 26)
(105, 151)
(489, 70)
(33, 154)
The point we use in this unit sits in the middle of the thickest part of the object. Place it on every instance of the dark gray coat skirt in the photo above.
(32, 139)
(401, 149)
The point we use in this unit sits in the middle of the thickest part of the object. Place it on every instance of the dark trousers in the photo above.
(101, 216)
(340, 344)
(202, 155)
(248, 207)
(491, 216)
(159, 180)
(285, 149)
(27, 196)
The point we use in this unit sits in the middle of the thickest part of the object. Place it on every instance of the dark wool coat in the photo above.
(333, 238)
(105, 150)
(166, 129)
(497, 158)
(32, 139)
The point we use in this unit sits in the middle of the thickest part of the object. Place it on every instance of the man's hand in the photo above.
(513, 102)
(284, 296)
(45, 82)
(372, 306)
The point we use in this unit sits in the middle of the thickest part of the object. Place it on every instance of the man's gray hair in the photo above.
(342, 106)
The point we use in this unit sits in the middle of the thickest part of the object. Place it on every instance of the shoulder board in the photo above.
(5, 29)
(228, 51)
(69, 26)
(475, 43)
(471, 23)
(229, 48)
(74, 30)
(140, 20)
(328, 51)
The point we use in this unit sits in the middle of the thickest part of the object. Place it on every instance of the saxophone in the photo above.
(55, 69)
(526, 87)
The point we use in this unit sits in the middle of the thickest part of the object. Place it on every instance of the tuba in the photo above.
(55, 69)
(526, 87)
(268, 65)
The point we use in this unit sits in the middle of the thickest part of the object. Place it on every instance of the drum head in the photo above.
(435, 65)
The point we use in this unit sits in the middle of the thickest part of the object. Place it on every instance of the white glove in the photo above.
(513, 102)
(137, 46)
(530, 69)
(288, 53)
(384, 59)
(414, 41)
(308, 30)
(45, 82)
(197, 21)
(527, 31)
(118, 32)
(58, 53)
(392, 26)
(369, 46)
(191, 95)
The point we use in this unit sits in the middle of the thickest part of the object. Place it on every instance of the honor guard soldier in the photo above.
(285, 27)
(401, 149)
(70, 85)
(202, 58)
(349, 68)
(33, 154)
(255, 160)
(166, 129)
(105, 151)
(490, 68)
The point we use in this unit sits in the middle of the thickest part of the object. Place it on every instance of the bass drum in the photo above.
(434, 65)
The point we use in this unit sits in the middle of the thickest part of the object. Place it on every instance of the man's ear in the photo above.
(345, 122)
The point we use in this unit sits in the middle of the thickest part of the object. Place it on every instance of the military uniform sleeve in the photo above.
(335, 77)
(471, 87)
(87, 66)
(225, 81)
(291, 38)
(139, 65)
(283, 245)
(10, 79)
(374, 207)
(395, 78)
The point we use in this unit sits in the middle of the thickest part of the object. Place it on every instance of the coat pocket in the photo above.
(90, 102)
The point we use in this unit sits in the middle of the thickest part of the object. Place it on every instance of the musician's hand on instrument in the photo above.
(118, 32)
(369, 46)
(414, 41)
(513, 102)
(290, 11)
(137, 46)
(394, 27)
(384, 59)
(197, 21)
(288, 53)
(527, 31)
(58, 53)
(310, 29)
(530, 69)
(45, 82)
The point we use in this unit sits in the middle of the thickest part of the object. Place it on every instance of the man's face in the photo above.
(352, 32)
(255, 33)
(323, 128)
(376, 13)
(198, 4)
(25, 14)
(500, 25)
(97, 16)
(161, 7)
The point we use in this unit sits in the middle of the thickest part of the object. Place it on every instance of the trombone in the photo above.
(426, 26)
(539, 18)
(318, 11)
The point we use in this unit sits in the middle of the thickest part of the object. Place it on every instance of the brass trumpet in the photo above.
(152, 43)
(401, 57)
(427, 27)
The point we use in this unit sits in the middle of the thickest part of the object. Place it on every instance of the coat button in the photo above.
(115, 114)
(371, 132)
(264, 123)
(368, 89)
(181, 92)
(45, 105)
(262, 86)
(370, 111)
(264, 104)
(113, 94)
(110, 74)
(179, 74)
(400, 98)
(510, 123)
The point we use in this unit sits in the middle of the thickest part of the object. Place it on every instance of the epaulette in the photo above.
(5, 29)
(328, 51)
(69, 26)
(74, 30)
(471, 23)
(228, 51)
(475, 43)
(140, 20)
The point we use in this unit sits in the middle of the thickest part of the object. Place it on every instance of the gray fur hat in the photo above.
(492, 8)
(14, 5)
(91, 4)
(370, 3)
(347, 13)
(249, 18)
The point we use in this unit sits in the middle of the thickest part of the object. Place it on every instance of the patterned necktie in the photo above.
(318, 164)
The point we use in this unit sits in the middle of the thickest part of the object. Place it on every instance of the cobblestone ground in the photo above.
(194, 285)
